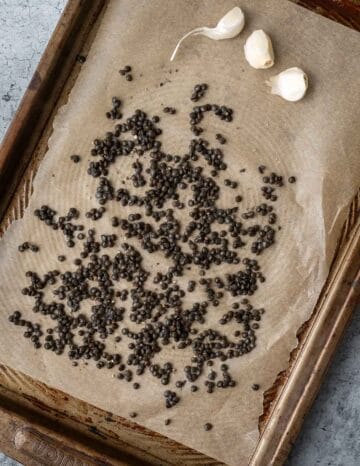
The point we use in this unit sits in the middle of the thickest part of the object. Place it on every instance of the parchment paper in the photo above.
(317, 140)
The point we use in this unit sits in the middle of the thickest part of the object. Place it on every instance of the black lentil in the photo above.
(28, 246)
(211, 236)
(170, 110)
(95, 213)
(220, 138)
(75, 158)
(115, 221)
(80, 58)
(198, 92)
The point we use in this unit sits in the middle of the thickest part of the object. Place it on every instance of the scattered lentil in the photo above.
(170, 110)
(159, 317)
(198, 92)
(80, 58)
(220, 138)
(75, 158)
(28, 246)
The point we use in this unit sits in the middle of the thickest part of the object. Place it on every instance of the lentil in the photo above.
(210, 237)
(75, 158)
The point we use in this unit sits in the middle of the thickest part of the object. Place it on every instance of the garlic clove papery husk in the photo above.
(195, 32)
(258, 50)
(290, 84)
(228, 27)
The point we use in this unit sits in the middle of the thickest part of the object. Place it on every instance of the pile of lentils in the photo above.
(111, 276)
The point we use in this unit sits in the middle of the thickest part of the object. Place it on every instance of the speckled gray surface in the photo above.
(25, 28)
(330, 436)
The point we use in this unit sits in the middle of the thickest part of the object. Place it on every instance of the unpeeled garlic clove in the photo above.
(228, 27)
(258, 50)
(290, 84)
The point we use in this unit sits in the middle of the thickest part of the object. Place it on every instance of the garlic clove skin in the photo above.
(259, 52)
(228, 27)
(194, 32)
(290, 84)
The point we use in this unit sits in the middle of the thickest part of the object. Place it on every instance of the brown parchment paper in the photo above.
(317, 140)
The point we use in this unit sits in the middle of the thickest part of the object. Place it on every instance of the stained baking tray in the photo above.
(41, 425)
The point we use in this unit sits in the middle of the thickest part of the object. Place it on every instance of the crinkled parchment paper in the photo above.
(317, 140)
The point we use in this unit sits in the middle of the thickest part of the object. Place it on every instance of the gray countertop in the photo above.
(330, 434)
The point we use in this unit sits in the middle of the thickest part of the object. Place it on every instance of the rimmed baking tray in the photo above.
(41, 425)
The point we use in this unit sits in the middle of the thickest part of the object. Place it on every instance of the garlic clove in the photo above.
(258, 50)
(228, 27)
(290, 84)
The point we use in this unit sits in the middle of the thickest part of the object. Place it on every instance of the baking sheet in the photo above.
(317, 140)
